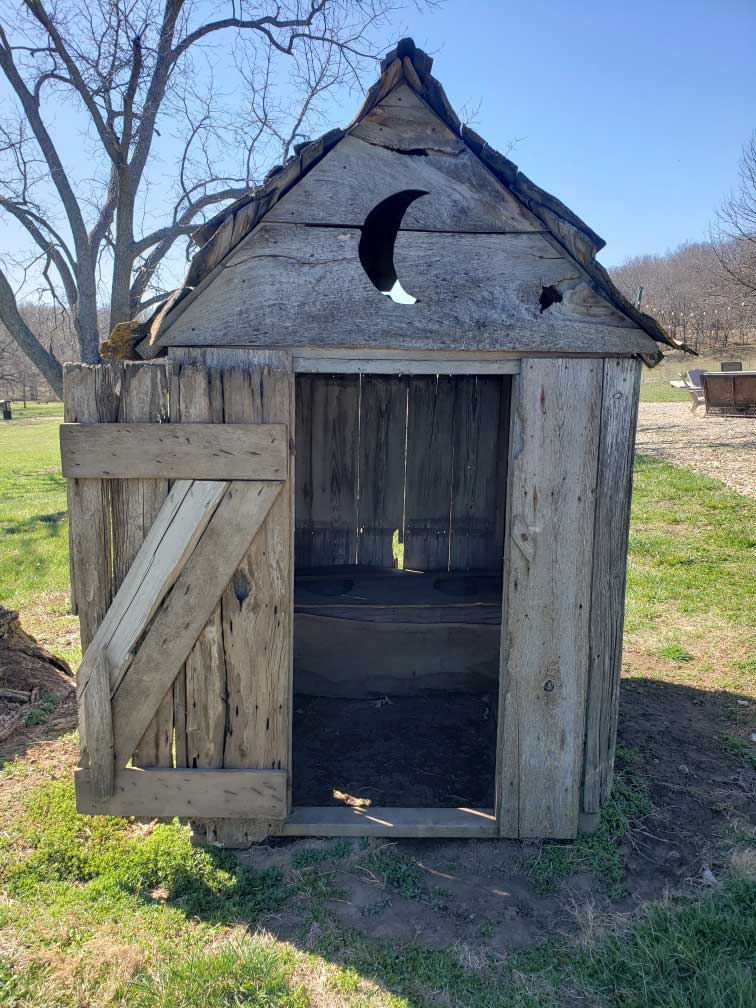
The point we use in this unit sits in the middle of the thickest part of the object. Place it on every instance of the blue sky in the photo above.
(634, 114)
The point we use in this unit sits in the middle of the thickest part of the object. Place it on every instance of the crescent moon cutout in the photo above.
(377, 243)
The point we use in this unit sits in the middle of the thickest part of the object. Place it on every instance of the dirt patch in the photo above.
(477, 896)
(723, 448)
(424, 751)
(33, 681)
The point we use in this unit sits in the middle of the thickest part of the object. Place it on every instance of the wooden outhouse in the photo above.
(349, 530)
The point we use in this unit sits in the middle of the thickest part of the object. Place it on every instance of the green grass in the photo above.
(33, 410)
(655, 392)
(243, 974)
(692, 549)
(33, 517)
(599, 853)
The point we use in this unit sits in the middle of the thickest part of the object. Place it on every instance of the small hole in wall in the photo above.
(549, 295)
(377, 242)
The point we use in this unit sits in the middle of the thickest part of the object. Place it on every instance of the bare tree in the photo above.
(734, 233)
(142, 73)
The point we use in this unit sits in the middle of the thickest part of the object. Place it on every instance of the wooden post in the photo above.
(619, 411)
(545, 624)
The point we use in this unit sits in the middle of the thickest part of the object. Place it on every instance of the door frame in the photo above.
(410, 821)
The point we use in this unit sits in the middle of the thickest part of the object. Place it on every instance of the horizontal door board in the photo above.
(475, 292)
(401, 366)
(175, 451)
(182, 616)
(169, 793)
(396, 822)
(161, 558)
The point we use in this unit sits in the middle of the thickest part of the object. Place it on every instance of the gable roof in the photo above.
(409, 67)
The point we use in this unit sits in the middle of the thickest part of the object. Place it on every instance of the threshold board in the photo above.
(398, 822)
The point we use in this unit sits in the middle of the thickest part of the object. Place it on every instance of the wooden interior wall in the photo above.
(424, 456)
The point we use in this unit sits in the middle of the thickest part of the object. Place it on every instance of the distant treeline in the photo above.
(691, 295)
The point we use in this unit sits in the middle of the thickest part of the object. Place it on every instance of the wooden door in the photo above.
(185, 606)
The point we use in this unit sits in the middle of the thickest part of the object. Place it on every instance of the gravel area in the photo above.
(721, 447)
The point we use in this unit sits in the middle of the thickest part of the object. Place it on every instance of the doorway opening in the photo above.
(400, 523)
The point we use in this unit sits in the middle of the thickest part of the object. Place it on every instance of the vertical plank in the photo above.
(335, 431)
(90, 396)
(257, 610)
(477, 447)
(619, 414)
(545, 630)
(429, 473)
(303, 461)
(197, 397)
(383, 427)
(136, 503)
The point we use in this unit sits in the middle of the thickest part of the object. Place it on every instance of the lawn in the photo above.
(652, 392)
(104, 911)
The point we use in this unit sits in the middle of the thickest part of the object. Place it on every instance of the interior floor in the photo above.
(434, 751)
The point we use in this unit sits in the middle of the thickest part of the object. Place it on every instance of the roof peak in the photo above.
(406, 47)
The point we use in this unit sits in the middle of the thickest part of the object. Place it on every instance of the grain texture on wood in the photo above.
(475, 501)
(169, 543)
(257, 603)
(303, 483)
(362, 363)
(333, 448)
(161, 793)
(196, 397)
(156, 451)
(89, 398)
(545, 633)
(619, 409)
(403, 122)
(354, 177)
(180, 620)
(429, 473)
(476, 292)
(95, 710)
(383, 423)
(143, 397)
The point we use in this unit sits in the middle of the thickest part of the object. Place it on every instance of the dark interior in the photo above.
(400, 493)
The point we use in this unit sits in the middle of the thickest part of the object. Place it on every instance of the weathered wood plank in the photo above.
(303, 531)
(335, 428)
(99, 736)
(403, 122)
(355, 176)
(619, 411)
(358, 363)
(175, 451)
(383, 422)
(429, 473)
(196, 397)
(167, 793)
(475, 499)
(89, 398)
(136, 504)
(476, 292)
(169, 543)
(178, 623)
(257, 604)
(396, 822)
(545, 633)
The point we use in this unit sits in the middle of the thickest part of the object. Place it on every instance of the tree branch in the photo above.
(25, 338)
